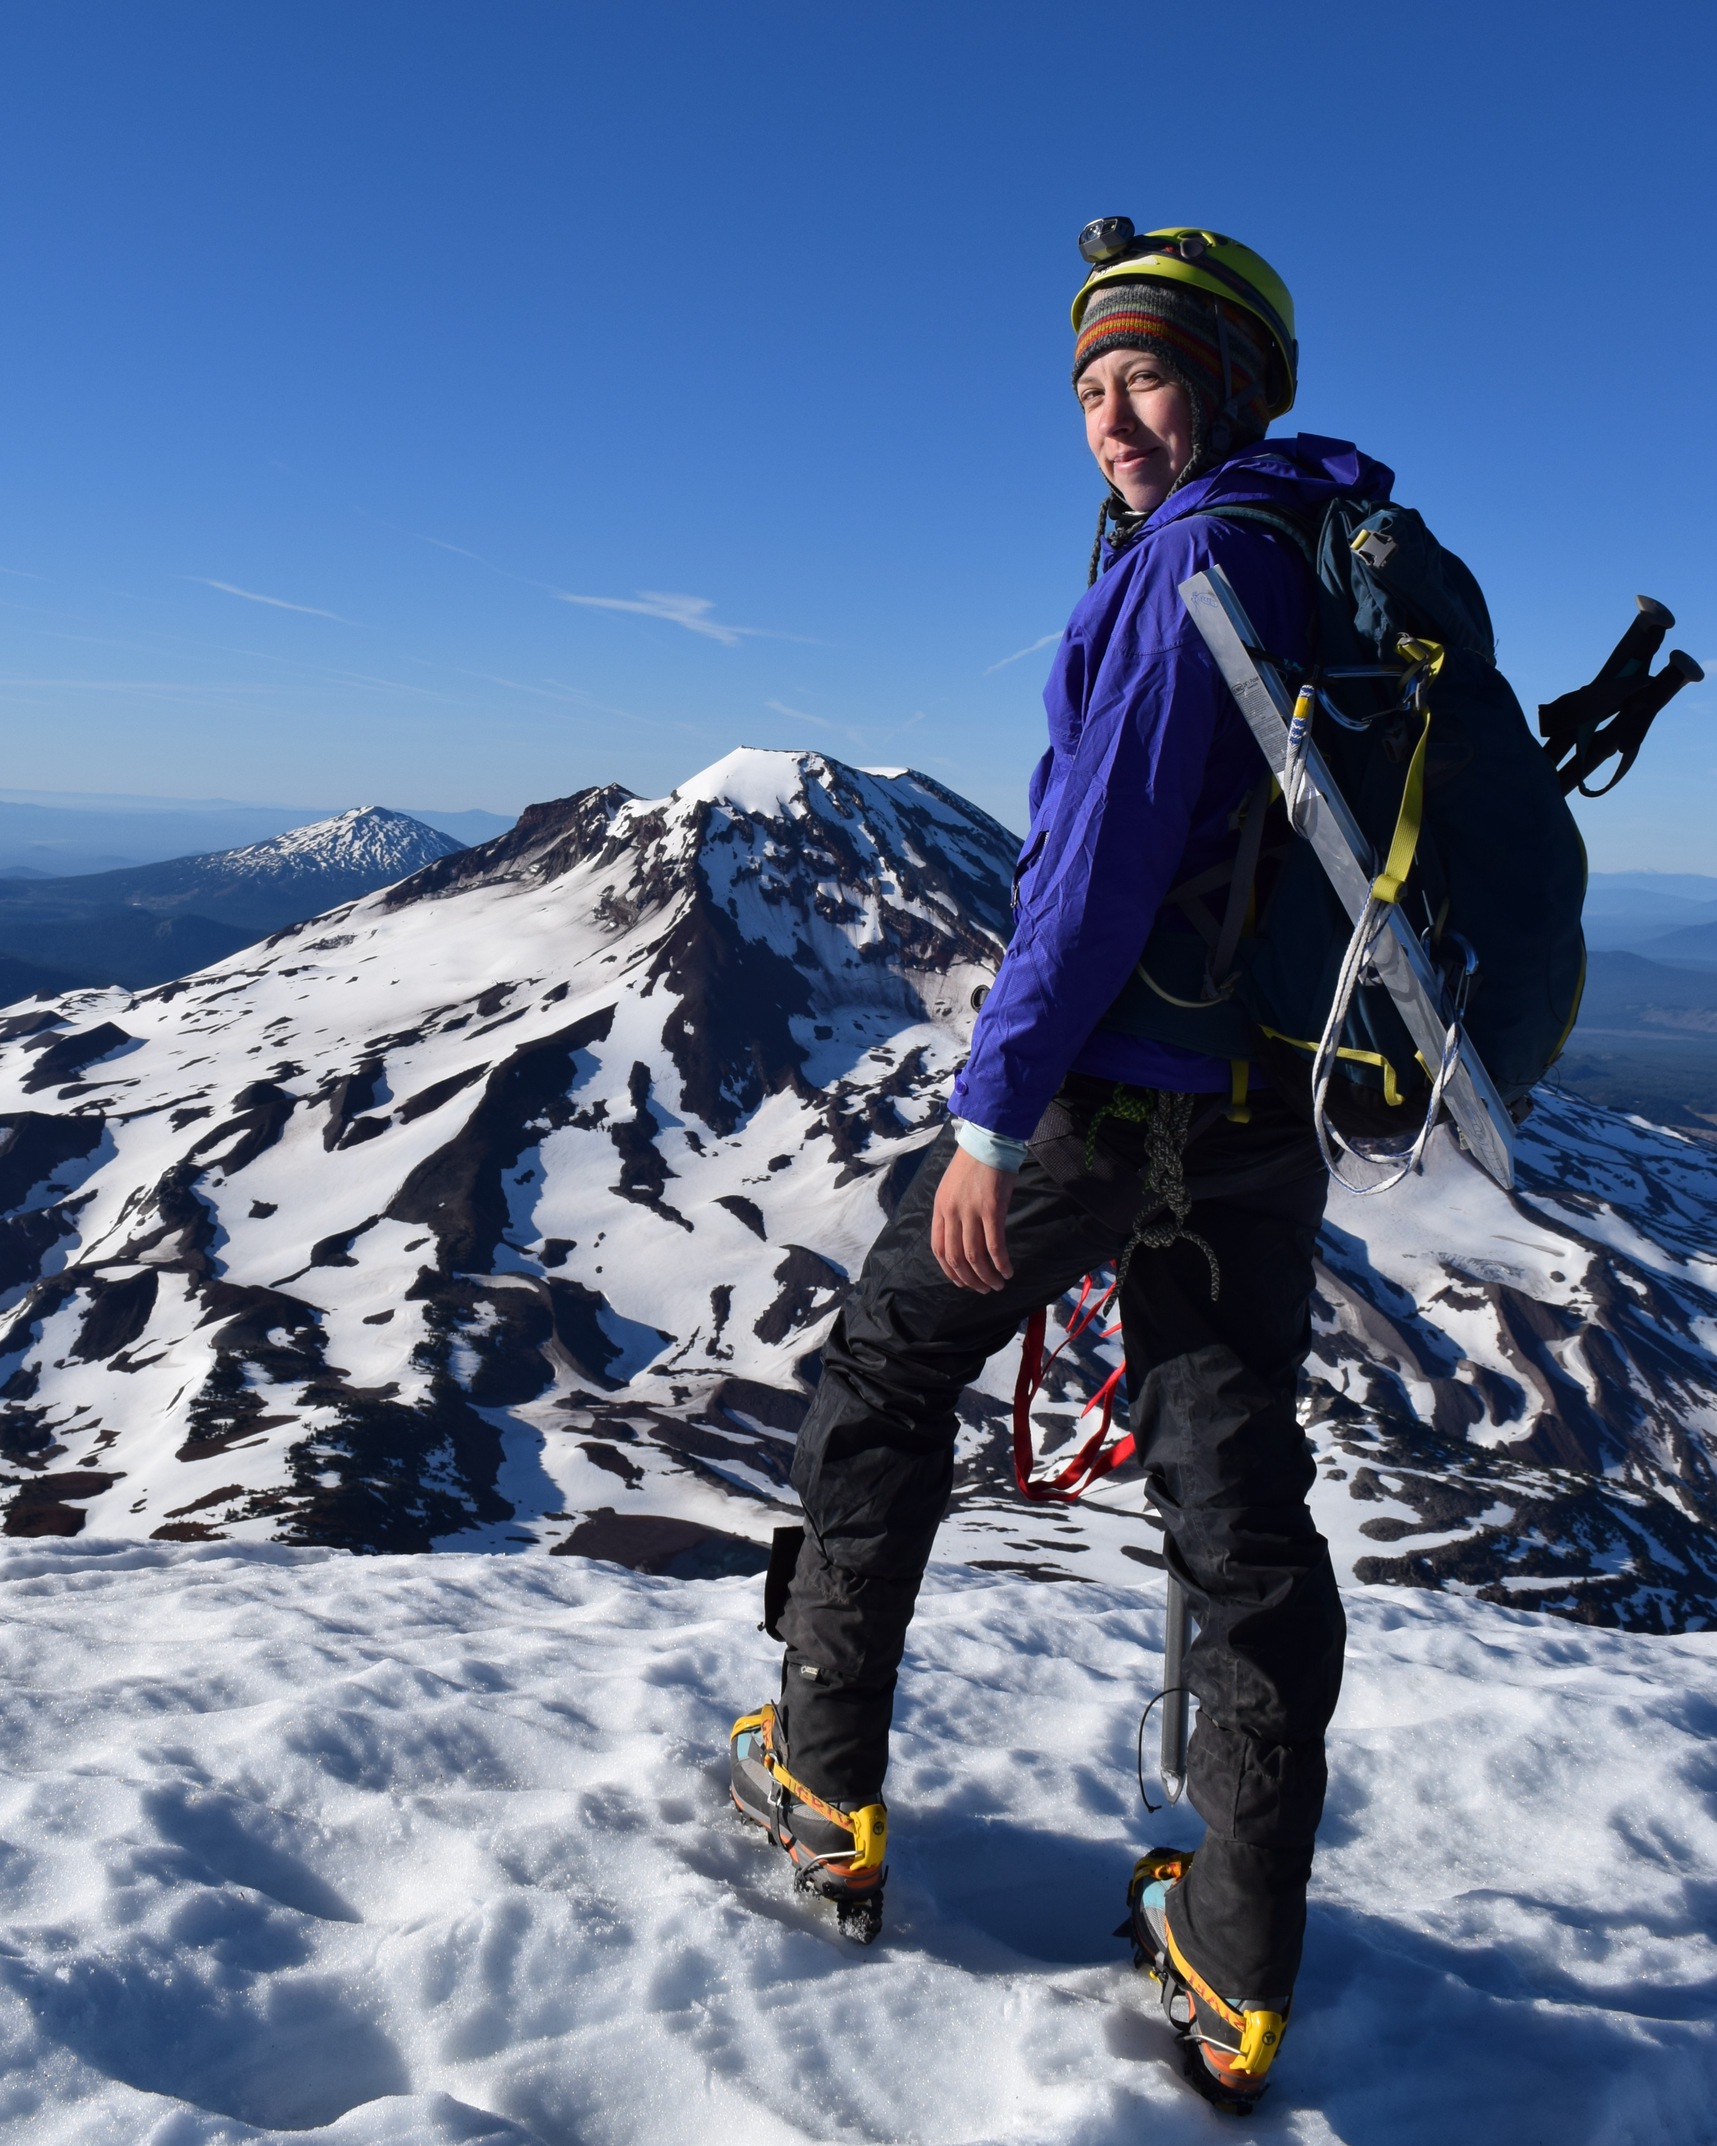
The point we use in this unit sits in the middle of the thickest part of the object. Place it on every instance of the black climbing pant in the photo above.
(1212, 1388)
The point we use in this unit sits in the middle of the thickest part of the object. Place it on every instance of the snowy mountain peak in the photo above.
(368, 840)
(520, 1193)
(605, 1107)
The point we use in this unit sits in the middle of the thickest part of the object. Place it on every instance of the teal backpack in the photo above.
(1415, 722)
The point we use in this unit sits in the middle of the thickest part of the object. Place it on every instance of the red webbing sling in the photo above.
(1093, 1460)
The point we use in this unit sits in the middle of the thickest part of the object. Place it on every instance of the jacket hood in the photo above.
(1307, 467)
(1304, 470)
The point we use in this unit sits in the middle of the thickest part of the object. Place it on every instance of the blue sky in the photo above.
(456, 405)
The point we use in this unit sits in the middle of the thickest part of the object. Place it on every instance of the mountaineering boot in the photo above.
(835, 1852)
(1226, 2049)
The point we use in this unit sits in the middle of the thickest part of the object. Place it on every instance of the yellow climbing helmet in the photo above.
(1207, 261)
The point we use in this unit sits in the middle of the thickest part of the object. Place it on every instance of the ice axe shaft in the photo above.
(1177, 1622)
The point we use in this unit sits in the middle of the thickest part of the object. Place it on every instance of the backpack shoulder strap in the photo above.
(1283, 520)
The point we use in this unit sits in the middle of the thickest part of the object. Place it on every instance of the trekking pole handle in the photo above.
(1624, 733)
(1561, 722)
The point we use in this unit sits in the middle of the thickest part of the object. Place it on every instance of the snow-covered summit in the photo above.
(353, 1232)
(369, 841)
(250, 891)
(509, 1205)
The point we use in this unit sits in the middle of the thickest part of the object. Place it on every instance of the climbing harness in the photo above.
(1167, 1118)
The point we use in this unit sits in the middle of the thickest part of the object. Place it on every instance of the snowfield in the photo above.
(413, 1850)
(502, 1213)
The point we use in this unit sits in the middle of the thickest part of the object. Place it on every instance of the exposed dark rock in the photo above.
(602, 1455)
(656, 1543)
(441, 1091)
(644, 1172)
(26, 1437)
(736, 1398)
(36, 1143)
(335, 1250)
(457, 1191)
(804, 1276)
(27, 1239)
(545, 841)
(224, 1411)
(64, 1060)
(262, 1111)
(39, 1505)
(730, 1033)
(353, 1093)
(404, 1476)
(746, 1211)
(504, 1330)
(176, 1224)
(579, 1333)
(30, 1024)
(118, 1312)
(223, 1496)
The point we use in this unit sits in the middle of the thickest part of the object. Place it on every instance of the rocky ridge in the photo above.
(508, 1207)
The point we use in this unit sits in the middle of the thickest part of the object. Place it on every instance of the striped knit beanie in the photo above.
(1187, 332)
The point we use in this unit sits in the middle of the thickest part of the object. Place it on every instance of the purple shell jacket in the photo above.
(1148, 759)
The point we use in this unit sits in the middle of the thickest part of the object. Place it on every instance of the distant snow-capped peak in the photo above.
(367, 840)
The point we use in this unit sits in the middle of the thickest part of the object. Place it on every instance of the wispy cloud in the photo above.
(277, 603)
(417, 536)
(1044, 640)
(691, 612)
(798, 715)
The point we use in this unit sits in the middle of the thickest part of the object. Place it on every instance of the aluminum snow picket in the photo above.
(1400, 961)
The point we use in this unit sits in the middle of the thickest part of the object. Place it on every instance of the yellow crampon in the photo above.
(1260, 2032)
(867, 1825)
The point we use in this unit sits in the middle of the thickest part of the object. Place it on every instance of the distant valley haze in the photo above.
(61, 832)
